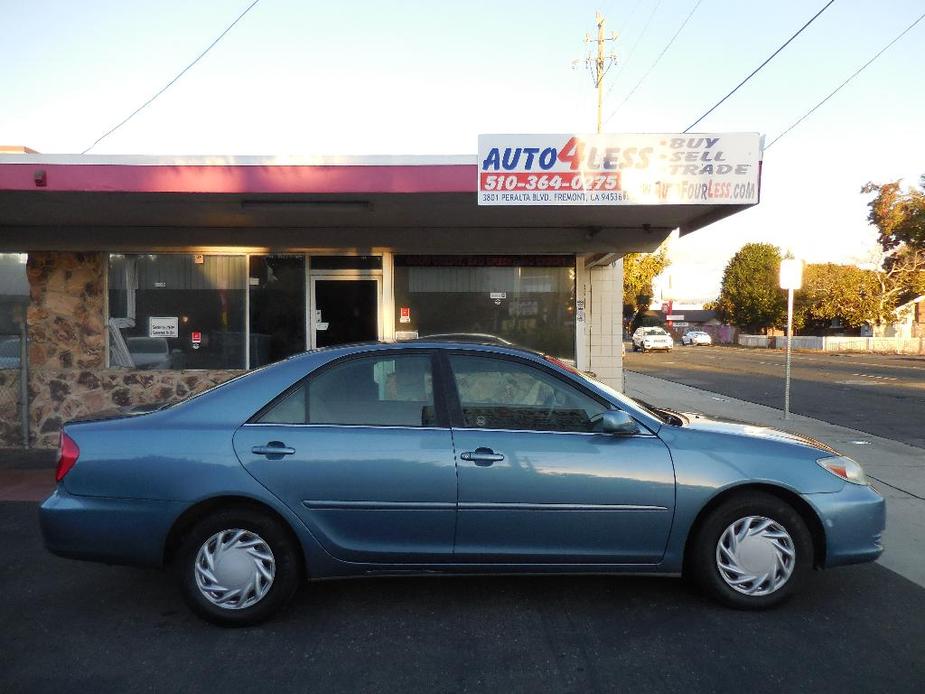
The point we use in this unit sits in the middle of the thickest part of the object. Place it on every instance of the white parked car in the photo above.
(696, 337)
(648, 339)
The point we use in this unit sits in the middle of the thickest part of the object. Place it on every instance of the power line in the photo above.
(660, 55)
(170, 83)
(838, 88)
(632, 50)
(757, 69)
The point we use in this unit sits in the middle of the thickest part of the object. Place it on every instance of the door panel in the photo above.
(559, 497)
(366, 493)
(538, 482)
(360, 452)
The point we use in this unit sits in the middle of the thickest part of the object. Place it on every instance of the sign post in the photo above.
(791, 278)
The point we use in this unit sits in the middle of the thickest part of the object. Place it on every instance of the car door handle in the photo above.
(482, 456)
(274, 448)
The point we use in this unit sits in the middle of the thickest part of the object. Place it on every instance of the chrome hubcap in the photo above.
(235, 569)
(755, 556)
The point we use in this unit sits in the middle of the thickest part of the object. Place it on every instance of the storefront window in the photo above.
(173, 311)
(527, 300)
(14, 296)
(277, 307)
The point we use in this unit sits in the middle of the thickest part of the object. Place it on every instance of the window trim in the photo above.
(457, 420)
(440, 399)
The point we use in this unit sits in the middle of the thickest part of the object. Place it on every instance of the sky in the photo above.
(354, 78)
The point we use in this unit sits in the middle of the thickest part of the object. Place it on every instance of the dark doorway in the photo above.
(346, 311)
(277, 307)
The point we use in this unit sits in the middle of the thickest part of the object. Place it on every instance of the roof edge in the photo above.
(239, 160)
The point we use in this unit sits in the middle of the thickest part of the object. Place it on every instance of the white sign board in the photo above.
(619, 169)
(675, 316)
(163, 326)
(791, 273)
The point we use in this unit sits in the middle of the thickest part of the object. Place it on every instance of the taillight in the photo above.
(68, 451)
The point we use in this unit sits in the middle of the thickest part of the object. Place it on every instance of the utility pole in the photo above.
(599, 62)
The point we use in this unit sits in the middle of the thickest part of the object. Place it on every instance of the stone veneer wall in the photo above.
(10, 422)
(66, 315)
(62, 394)
(67, 351)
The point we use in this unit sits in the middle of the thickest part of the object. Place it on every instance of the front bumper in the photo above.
(113, 531)
(854, 520)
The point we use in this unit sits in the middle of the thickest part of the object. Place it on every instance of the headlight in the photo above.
(846, 468)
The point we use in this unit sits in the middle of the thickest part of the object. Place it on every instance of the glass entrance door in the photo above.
(277, 307)
(344, 310)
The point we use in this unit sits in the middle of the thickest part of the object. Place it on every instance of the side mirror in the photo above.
(618, 422)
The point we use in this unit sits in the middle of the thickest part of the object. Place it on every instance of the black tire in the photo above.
(701, 564)
(288, 558)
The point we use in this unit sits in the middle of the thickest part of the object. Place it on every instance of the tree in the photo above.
(639, 269)
(749, 295)
(901, 279)
(898, 215)
(831, 292)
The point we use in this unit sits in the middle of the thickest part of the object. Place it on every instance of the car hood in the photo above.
(701, 423)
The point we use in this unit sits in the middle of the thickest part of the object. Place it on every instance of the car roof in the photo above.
(420, 343)
(478, 338)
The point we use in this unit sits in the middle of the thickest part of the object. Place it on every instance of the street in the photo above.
(880, 394)
(80, 627)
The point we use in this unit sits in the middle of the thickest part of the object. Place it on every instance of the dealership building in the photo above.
(129, 280)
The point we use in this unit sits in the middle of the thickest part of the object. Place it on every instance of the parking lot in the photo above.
(79, 627)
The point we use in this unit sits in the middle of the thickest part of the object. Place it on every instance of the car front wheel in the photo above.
(238, 567)
(752, 552)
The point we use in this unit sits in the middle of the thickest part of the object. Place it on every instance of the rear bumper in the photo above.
(113, 531)
(854, 520)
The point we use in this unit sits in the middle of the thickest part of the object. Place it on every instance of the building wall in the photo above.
(68, 377)
(67, 351)
(59, 395)
(600, 338)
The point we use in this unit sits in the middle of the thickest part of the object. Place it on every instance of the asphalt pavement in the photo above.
(81, 627)
(879, 394)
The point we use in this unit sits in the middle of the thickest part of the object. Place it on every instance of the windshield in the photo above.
(654, 331)
(625, 399)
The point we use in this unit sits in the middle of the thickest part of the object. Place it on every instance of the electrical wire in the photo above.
(838, 88)
(632, 50)
(757, 69)
(171, 82)
(657, 59)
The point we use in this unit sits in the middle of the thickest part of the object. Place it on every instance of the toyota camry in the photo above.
(454, 458)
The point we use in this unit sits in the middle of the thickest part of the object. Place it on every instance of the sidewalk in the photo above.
(896, 470)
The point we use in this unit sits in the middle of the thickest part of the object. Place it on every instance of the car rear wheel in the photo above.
(238, 567)
(752, 552)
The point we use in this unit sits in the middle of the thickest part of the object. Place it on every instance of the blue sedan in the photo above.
(452, 458)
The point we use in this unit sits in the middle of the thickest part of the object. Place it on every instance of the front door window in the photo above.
(346, 311)
(502, 394)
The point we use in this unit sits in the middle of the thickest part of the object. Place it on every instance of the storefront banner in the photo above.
(620, 169)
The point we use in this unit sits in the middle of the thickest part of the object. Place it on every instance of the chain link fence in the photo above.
(12, 408)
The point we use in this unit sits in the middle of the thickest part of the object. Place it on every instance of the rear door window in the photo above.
(385, 390)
